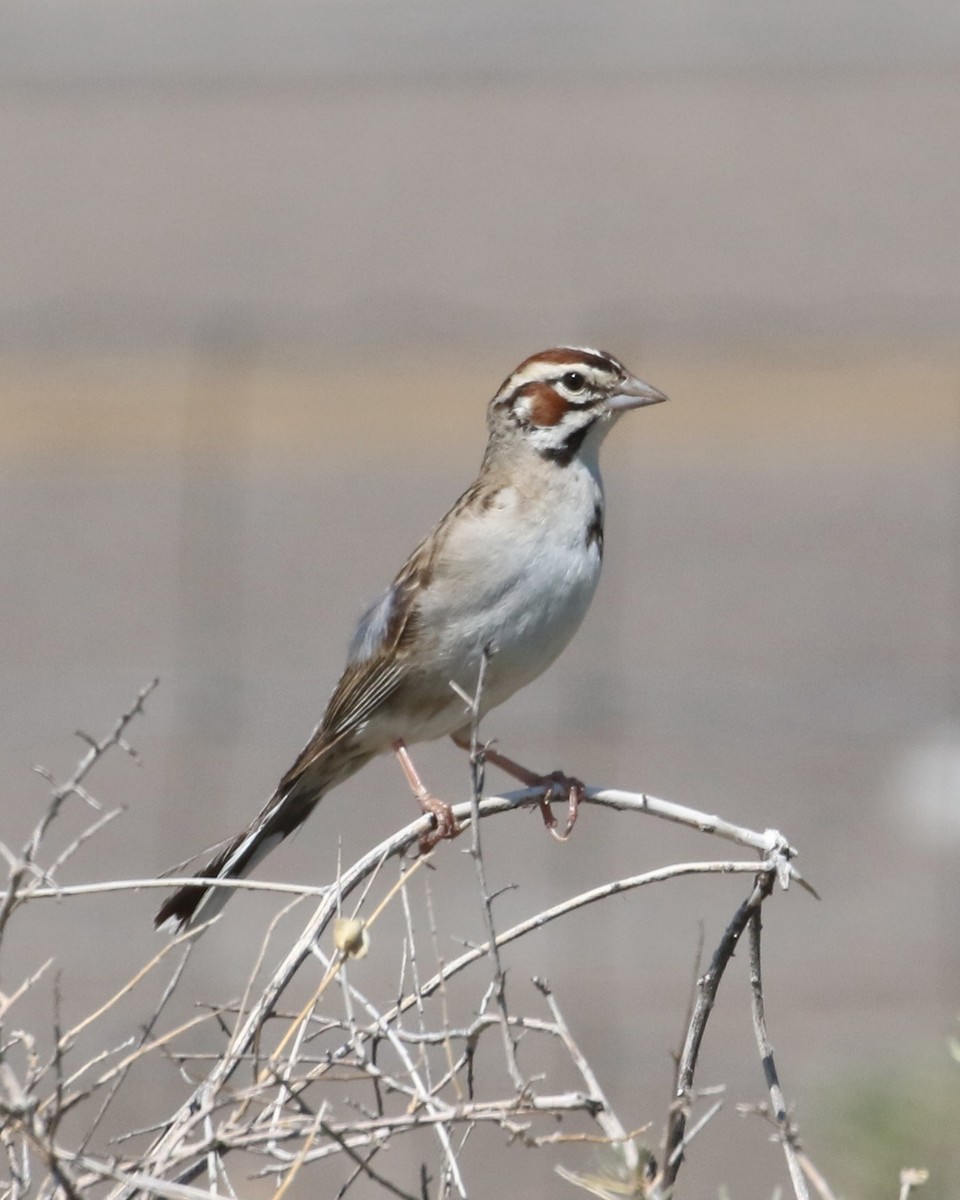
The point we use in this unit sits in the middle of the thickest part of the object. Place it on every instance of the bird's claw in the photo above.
(445, 822)
(555, 787)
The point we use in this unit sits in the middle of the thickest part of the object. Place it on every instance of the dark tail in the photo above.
(321, 766)
(197, 902)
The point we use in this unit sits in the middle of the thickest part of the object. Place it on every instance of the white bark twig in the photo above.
(604, 1114)
(477, 771)
(26, 862)
(786, 1133)
(339, 1078)
(769, 843)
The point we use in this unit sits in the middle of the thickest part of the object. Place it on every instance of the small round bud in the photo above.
(350, 936)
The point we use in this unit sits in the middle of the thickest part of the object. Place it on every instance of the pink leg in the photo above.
(555, 786)
(441, 812)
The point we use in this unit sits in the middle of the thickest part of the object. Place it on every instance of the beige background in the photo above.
(262, 267)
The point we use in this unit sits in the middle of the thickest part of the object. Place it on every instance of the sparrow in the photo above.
(504, 580)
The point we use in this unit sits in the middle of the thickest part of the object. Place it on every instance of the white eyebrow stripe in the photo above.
(601, 372)
(553, 373)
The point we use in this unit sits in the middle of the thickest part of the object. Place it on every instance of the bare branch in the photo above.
(343, 1073)
(25, 865)
(707, 987)
(476, 853)
(786, 1132)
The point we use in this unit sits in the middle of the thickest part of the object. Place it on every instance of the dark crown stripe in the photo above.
(571, 356)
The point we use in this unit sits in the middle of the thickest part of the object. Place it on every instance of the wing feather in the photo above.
(382, 650)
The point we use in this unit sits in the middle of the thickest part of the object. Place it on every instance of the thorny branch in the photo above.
(778, 1112)
(339, 1082)
(493, 949)
(707, 986)
(25, 863)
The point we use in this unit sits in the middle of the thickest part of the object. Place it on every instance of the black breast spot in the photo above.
(595, 530)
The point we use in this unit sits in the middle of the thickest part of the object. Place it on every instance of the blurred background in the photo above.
(263, 265)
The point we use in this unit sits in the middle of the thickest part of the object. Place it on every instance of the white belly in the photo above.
(518, 578)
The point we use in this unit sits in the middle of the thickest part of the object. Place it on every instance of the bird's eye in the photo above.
(573, 381)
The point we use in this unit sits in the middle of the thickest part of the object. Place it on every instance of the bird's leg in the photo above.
(441, 812)
(556, 786)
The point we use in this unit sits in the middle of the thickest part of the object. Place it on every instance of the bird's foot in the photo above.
(445, 823)
(556, 786)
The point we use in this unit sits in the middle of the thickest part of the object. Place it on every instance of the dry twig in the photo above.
(344, 1075)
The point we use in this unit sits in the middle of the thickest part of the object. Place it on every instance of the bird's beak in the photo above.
(634, 393)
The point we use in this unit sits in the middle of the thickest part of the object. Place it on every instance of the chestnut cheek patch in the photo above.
(547, 407)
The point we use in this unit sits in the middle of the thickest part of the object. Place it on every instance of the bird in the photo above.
(503, 581)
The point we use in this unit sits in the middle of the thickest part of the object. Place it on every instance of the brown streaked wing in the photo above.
(366, 685)
(361, 690)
